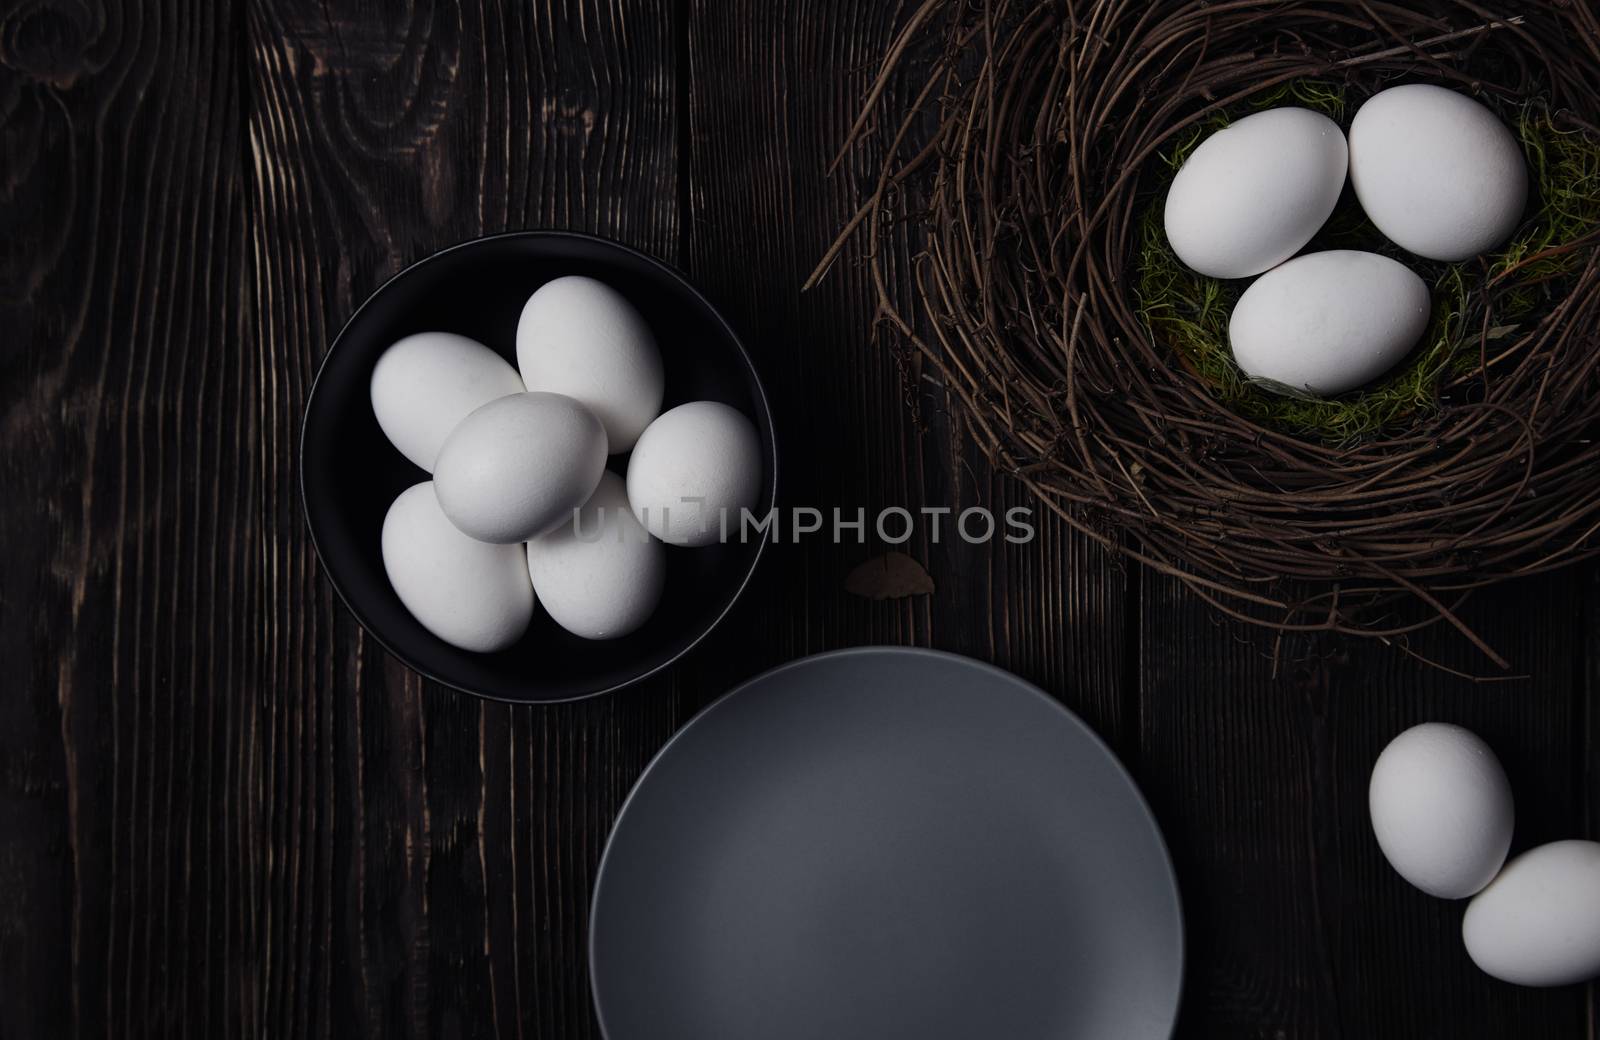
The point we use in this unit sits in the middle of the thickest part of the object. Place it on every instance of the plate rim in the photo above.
(948, 658)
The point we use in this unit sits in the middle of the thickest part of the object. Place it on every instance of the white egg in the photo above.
(599, 575)
(1253, 193)
(1441, 809)
(1538, 923)
(580, 337)
(469, 593)
(693, 470)
(518, 466)
(1328, 322)
(1436, 171)
(425, 384)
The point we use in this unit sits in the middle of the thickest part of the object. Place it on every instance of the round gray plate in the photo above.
(886, 843)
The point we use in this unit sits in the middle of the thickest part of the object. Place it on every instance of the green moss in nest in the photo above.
(1565, 168)
(1190, 312)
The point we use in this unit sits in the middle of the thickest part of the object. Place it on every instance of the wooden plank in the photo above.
(432, 854)
(228, 813)
(773, 90)
(1588, 711)
(1298, 927)
(132, 547)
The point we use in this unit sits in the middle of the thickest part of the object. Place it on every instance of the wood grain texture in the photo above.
(224, 811)
(773, 91)
(1298, 927)
(438, 850)
(130, 639)
(1588, 613)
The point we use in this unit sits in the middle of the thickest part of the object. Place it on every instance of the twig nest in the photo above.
(1024, 150)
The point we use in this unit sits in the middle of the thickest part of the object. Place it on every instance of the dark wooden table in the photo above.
(224, 812)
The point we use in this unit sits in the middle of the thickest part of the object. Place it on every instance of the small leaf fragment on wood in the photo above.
(894, 575)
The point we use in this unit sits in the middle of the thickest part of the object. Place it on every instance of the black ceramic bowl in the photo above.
(350, 473)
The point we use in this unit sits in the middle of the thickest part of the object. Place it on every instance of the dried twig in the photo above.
(1018, 166)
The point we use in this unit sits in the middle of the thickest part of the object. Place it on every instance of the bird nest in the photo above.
(1026, 146)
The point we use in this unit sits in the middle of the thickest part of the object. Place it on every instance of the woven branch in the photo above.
(1013, 142)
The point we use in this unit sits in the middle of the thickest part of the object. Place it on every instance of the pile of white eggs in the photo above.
(1434, 170)
(1442, 812)
(521, 508)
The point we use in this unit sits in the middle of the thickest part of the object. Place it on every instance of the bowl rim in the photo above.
(764, 421)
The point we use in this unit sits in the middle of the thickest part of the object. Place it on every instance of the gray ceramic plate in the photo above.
(886, 844)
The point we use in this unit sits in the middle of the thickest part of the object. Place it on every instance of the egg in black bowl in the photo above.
(350, 473)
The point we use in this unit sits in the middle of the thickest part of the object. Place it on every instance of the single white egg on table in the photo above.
(693, 470)
(1324, 323)
(1436, 171)
(1441, 809)
(425, 384)
(518, 466)
(580, 337)
(471, 594)
(1538, 923)
(1255, 192)
(600, 574)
